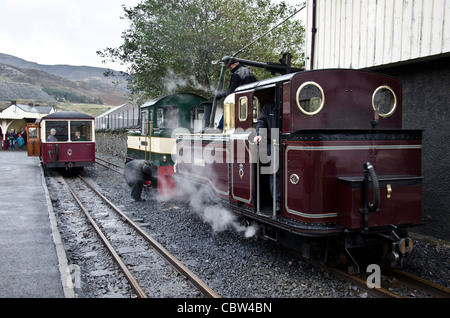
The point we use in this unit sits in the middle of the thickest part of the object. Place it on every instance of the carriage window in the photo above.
(310, 98)
(243, 109)
(384, 101)
(144, 122)
(61, 128)
(33, 133)
(167, 117)
(81, 130)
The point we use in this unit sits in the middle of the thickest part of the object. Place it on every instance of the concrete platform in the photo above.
(33, 262)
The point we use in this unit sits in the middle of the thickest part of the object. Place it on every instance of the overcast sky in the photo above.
(63, 31)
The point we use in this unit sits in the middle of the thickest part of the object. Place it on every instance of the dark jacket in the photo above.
(240, 75)
(12, 136)
(136, 172)
(267, 119)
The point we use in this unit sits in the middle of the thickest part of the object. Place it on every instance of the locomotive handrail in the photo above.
(369, 171)
(373, 207)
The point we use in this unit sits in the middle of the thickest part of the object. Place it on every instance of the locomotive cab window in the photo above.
(384, 101)
(310, 98)
(243, 108)
(61, 130)
(144, 120)
(167, 117)
(81, 130)
(197, 118)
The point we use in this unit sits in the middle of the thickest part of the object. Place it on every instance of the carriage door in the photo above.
(33, 140)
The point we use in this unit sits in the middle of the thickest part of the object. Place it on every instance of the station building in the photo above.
(16, 116)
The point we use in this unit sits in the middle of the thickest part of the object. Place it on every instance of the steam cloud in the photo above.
(213, 213)
(174, 82)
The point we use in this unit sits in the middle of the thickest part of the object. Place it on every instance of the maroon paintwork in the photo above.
(348, 101)
(325, 151)
(67, 154)
(321, 196)
(60, 154)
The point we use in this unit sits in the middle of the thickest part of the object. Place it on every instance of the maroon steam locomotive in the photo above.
(350, 175)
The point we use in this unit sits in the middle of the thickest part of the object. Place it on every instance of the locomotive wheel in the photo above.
(337, 259)
(336, 256)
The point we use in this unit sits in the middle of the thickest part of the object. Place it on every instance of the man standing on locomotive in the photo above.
(267, 120)
(137, 172)
(240, 75)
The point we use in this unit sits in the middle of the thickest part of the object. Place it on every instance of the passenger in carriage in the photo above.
(78, 136)
(52, 137)
(267, 120)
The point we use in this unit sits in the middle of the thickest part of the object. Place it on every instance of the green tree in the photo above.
(171, 44)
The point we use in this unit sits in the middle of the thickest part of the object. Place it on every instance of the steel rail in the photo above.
(128, 275)
(194, 279)
(362, 284)
(105, 164)
(421, 284)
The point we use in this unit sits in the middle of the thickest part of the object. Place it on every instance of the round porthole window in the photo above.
(384, 101)
(310, 98)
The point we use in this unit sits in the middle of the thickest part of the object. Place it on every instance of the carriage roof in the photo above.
(174, 99)
(70, 115)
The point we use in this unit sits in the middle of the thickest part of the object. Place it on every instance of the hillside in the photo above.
(23, 80)
(70, 72)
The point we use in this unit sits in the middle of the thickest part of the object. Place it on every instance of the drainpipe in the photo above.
(313, 35)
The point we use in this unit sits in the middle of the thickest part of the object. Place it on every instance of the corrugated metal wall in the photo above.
(366, 33)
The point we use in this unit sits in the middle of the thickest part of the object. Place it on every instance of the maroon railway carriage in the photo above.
(72, 145)
(351, 176)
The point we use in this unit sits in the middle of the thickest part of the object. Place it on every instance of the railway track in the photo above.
(115, 167)
(146, 254)
(395, 283)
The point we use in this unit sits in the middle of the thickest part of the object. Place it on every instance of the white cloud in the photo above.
(62, 31)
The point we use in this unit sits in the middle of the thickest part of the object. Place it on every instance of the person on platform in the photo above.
(20, 142)
(12, 139)
(136, 173)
